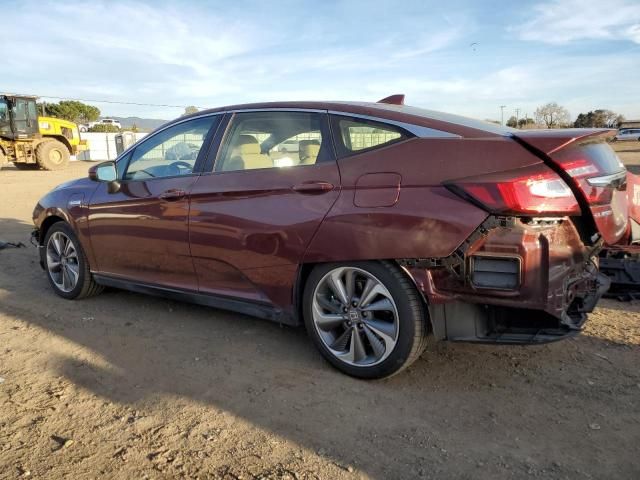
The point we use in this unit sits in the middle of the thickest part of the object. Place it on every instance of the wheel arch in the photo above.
(47, 223)
(305, 269)
(61, 138)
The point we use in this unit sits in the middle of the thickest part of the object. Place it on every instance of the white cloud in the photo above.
(160, 53)
(563, 21)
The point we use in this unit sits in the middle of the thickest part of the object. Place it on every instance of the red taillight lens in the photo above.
(589, 163)
(535, 190)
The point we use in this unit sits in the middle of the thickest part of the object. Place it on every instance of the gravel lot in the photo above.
(129, 386)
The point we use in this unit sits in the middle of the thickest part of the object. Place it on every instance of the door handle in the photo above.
(172, 195)
(313, 188)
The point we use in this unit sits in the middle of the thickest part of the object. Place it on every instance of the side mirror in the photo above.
(103, 172)
(106, 172)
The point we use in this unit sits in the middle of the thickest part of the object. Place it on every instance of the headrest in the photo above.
(311, 150)
(248, 148)
(247, 140)
(304, 143)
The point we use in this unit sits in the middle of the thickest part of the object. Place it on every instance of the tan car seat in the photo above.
(246, 155)
(308, 151)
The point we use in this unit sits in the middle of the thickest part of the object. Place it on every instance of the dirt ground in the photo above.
(133, 387)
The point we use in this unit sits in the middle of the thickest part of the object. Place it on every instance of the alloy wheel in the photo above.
(355, 316)
(62, 262)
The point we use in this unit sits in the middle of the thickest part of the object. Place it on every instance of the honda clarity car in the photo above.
(388, 224)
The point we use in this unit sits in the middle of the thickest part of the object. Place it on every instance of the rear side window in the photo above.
(355, 135)
(258, 140)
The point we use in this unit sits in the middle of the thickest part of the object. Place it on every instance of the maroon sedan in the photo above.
(374, 224)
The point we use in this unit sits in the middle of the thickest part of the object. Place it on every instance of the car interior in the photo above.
(271, 141)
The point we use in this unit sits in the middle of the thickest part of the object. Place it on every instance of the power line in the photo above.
(116, 102)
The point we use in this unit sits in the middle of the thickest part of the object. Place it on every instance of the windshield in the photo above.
(4, 111)
(5, 125)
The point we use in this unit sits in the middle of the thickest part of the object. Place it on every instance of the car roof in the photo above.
(457, 124)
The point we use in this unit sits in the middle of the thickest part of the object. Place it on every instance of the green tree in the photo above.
(601, 118)
(512, 122)
(190, 109)
(526, 122)
(73, 111)
(552, 115)
(103, 127)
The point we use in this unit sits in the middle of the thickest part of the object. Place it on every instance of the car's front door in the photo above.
(141, 232)
(254, 214)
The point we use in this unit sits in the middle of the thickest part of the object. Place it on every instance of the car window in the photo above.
(4, 111)
(172, 152)
(273, 140)
(356, 134)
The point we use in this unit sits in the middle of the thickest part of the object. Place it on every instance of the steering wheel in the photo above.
(181, 164)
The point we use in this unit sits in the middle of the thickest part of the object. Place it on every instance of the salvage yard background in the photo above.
(130, 386)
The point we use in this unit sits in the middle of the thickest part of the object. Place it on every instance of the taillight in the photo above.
(596, 170)
(534, 190)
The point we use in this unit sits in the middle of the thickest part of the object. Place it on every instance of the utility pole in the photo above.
(517, 116)
(502, 107)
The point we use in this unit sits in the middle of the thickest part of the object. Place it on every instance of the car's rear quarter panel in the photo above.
(427, 220)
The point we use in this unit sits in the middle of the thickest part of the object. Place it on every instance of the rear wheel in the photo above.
(366, 318)
(66, 264)
(52, 155)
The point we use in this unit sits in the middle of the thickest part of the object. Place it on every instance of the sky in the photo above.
(464, 57)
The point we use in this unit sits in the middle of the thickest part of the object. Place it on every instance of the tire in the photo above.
(85, 285)
(52, 155)
(391, 336)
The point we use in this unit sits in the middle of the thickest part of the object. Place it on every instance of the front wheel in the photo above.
(52, 155)
(366, 318)
(66, 264)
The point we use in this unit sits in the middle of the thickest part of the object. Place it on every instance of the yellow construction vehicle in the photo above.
(30, 141)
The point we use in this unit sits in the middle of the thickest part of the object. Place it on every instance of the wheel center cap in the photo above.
(354, 315)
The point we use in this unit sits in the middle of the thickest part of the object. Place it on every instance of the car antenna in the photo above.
(397, 99)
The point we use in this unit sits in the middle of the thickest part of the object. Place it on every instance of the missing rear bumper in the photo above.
(482, 323)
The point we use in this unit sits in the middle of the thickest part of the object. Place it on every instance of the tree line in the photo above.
(550, 115)
(81, 113)
(553, 115)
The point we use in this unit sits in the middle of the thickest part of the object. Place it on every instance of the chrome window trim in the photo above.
(417, 130)
(276, 109)
(162, 129)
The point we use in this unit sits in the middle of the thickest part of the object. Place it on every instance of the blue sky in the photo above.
(582, 54)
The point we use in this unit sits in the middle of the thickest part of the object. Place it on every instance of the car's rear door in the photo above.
(253, 215)
(140, 232)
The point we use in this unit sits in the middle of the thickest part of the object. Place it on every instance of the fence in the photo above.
(102, 146)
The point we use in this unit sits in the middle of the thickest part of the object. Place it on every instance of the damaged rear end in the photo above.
(529, 273)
